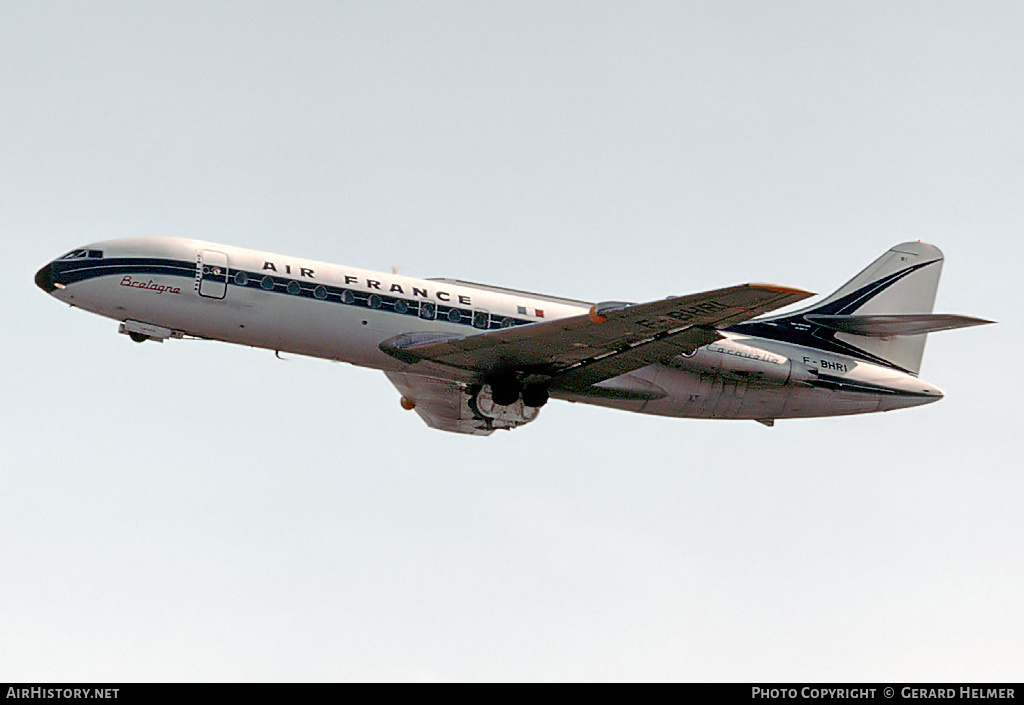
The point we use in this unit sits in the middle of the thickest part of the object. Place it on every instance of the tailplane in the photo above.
(882, 315)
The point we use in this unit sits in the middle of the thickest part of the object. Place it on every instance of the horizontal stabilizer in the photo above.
(882, 315)
(888, 325)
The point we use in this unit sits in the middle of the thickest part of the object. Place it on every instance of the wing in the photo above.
(576, 352)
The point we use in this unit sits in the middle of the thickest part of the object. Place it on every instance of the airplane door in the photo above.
(213, 274)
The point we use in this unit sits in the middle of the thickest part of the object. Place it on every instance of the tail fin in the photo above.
(903, 280)
(882, 315)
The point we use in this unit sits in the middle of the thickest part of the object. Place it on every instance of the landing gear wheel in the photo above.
(535, 395)
(505, 392)
(138, 337)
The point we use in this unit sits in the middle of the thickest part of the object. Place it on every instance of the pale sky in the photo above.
(197, 511)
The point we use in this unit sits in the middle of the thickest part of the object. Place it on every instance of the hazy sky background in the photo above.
(198, 511)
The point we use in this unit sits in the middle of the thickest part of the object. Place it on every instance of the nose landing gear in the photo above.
(141, 332)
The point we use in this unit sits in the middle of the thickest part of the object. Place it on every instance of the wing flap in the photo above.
(587, 373)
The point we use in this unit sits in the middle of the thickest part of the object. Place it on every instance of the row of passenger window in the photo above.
(423, 309)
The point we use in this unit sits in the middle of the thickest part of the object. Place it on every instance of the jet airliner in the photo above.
(472, 358)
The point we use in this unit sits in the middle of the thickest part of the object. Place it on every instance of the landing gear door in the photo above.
(212, 273)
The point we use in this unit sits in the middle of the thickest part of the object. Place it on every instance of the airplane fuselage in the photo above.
(171, 287)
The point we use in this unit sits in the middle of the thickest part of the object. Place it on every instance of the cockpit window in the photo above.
(84, 254)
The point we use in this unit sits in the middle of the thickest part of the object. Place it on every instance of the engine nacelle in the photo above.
(745, 362)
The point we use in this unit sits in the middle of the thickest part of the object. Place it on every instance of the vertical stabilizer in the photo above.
(901, 282)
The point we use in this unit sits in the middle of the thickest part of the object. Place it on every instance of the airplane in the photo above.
(471, 358)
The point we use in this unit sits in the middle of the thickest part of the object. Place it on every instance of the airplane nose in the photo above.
(49, 279)
(44, 279)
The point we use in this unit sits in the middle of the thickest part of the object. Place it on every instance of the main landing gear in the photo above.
(508, 390)
(509, 403)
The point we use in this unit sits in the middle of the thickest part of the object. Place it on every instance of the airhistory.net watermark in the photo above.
(64, 693)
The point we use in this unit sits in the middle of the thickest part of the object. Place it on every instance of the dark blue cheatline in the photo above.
(428, 310)
(90, 266)
(76, 270)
